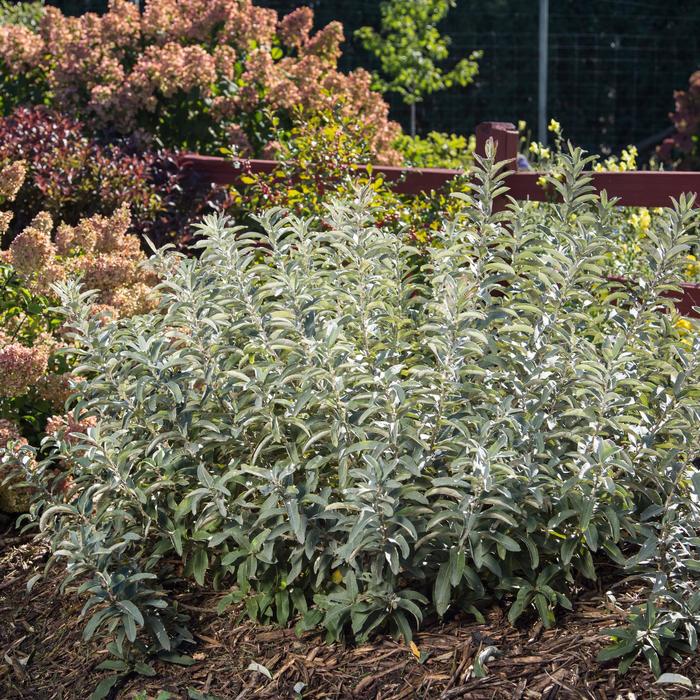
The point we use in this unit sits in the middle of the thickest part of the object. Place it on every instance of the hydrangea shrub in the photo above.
(333, 434)
(197, 75)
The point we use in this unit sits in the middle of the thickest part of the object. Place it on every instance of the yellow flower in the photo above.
(337, 577)
(684, 324)
(414, 649)
(534, 147)
(544, 153)
(542, 181)
(522, 125)
(692, 269)
(641, 221)
(629, 158)
(554, 126)
(421, 236)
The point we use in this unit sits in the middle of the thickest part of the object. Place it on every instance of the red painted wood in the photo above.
(635, 189)
(222, 171)
(504, 135)
(688, 299)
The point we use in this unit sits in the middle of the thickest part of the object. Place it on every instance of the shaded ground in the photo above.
(42, 655)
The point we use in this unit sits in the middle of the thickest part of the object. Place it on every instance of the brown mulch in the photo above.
(42, 655)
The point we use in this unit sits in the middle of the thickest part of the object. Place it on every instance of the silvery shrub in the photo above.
(336, 429)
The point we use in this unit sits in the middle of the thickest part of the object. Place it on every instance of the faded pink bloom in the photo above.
(283, 94)
(106, 272)
(32, 250)
(295, 27)
(21, 368)
(225, 108)
(20, 48)
(271, 150)
(225, 59)
(5, 220)
(12, 178)
(120, 26)
(9, 431)
(139, 298)
(68, 428)
(326, 42)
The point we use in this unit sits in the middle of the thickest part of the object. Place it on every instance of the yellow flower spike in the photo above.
(414, 649)
(554, 126)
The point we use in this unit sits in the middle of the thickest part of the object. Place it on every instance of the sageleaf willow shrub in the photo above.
(329, 434)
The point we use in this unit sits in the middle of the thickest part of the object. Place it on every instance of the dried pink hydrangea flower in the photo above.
(9, 432)
(21, 367)
(11, 179)
(32, 250)
(294, 28)
(68, 428)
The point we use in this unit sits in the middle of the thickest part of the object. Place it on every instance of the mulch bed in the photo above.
(42, 655)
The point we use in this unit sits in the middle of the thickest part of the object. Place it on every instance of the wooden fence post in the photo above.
(506, 138)
(504, 135)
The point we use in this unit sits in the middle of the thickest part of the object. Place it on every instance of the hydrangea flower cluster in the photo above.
(99, 250)
(23, 367)
(196, 74)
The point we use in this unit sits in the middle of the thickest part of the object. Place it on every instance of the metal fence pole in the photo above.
(543, 61)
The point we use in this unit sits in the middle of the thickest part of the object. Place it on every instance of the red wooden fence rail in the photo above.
(640, 188)
(635, 189)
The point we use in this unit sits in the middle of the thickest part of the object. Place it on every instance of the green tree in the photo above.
(411, 50)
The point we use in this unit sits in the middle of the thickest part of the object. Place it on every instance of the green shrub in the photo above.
(437, 150)
(332, 436)
(27, 14)
(317, 163)
(628, 225)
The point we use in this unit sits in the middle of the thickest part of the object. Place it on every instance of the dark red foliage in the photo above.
(682, 149)
(72, 175)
